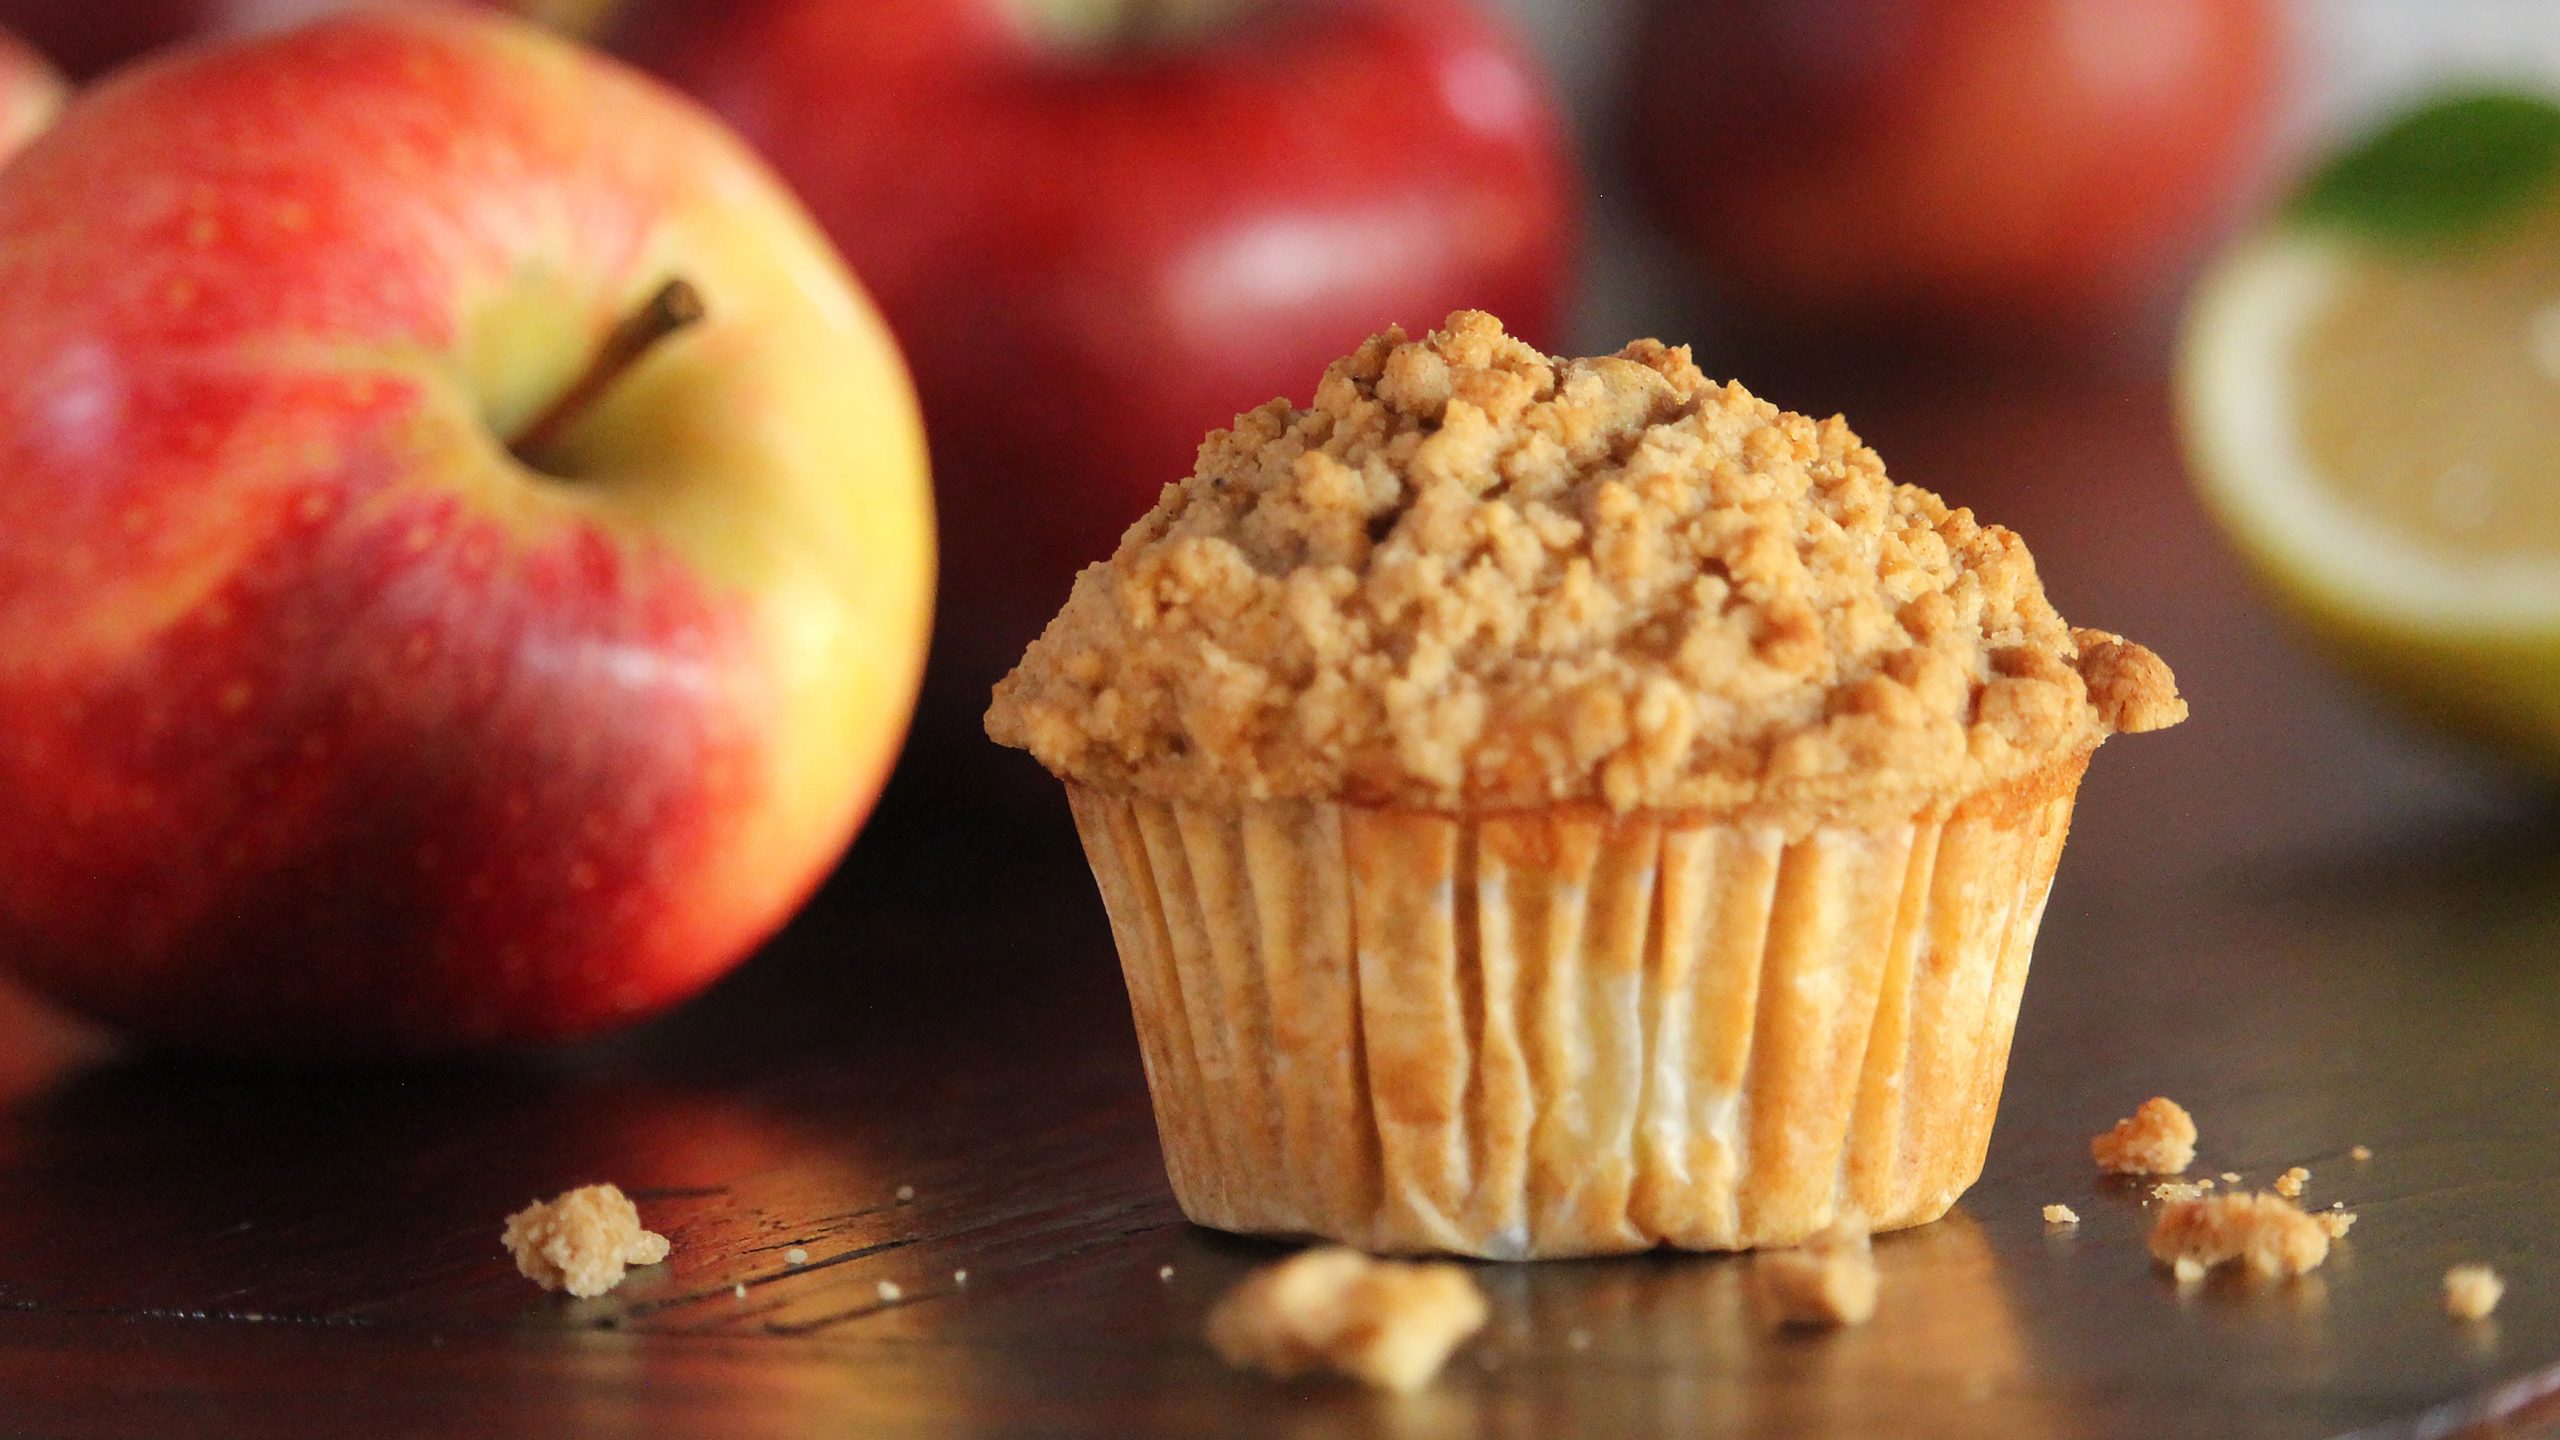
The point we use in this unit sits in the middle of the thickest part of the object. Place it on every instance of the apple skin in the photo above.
(31, 94)
(334, 728)
(90, 37)
(2014, 165)
(1094, 257)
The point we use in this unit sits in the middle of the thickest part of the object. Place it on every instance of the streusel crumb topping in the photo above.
(1473, 575)
(2158, 1138)
(581, 1240)
(1385, 1323)
(2267, 1234)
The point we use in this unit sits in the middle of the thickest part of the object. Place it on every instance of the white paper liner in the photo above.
(1551, 1033)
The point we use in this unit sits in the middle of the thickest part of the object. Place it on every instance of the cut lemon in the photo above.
(2370, 393)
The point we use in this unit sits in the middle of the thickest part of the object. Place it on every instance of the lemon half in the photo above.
(2377, 425)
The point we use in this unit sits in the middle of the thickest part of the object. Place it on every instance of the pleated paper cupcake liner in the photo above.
(1566, 1032)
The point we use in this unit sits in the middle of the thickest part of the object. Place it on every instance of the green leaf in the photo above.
(2449, 173)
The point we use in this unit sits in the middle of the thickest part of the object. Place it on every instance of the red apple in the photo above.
(87, 37)
(337, 721)
(1999, 161)
(1098, 241)
(31, 94)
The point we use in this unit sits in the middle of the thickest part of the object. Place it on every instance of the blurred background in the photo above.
(1979, 228)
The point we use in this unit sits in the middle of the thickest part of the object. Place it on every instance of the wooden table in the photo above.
(2314, 930)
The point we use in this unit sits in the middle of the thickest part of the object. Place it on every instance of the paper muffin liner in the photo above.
(1566, 1032)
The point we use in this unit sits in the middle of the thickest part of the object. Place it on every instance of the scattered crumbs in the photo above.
(2230, 1177)
(739, 1289)
(1577, 1338)
(1164, 1272)
(2472, 1291)
(2290, 1183)
(2336, 1222)
(890, 1292)
(2268, 1234)
(2177, 1190)
(2159, 1138)
(1829, 1280)
(795, 1256)
(581, 1240)
(906, 1194)
(2360, 1153)
(2060, 1215)
(1386, 1323)
(959, 1277)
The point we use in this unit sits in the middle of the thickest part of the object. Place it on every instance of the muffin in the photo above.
(1558, 807)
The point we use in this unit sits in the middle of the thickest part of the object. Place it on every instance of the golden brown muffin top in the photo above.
(1473, 576)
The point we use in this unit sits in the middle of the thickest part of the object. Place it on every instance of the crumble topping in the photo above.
(2268, 1234)
(2061, 1215)
(1473, 575)
(2290, 1184)
(581, 1240)
(1829, 1280)
(1385, 1323)
(2472, 1291)
(2159, 1138)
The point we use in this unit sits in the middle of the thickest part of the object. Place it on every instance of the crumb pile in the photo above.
(2472, 1291)
(2267, 1234)
(1830, 1280)
(581, 1240)
(2159, 1138)
(1473, 575)
(1382, 1322)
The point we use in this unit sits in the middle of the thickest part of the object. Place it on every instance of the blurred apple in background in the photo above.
(31, 94)
(86, 37)
(1101, 229)
(399, 650)
(1991, 164)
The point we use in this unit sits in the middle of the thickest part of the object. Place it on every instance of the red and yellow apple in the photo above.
(1101, 228)
(31, 94)
(87, 37)
(339, 716)
(1998, 163)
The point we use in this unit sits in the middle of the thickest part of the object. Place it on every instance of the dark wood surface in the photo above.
(2313, 928)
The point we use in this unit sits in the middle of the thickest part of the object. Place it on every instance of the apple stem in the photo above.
(674, 306)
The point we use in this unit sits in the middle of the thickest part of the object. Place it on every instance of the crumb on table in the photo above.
(2472, 1291)
(2230, 1177)
(2336, 1222)
(2268, 1234)
(2179, 1189)
(581, 1240)
(2157, 1139)
(2061, 1215)
(2290, 1184)
(2360, 1152)
(1829, 1280)
(1386, 1323)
